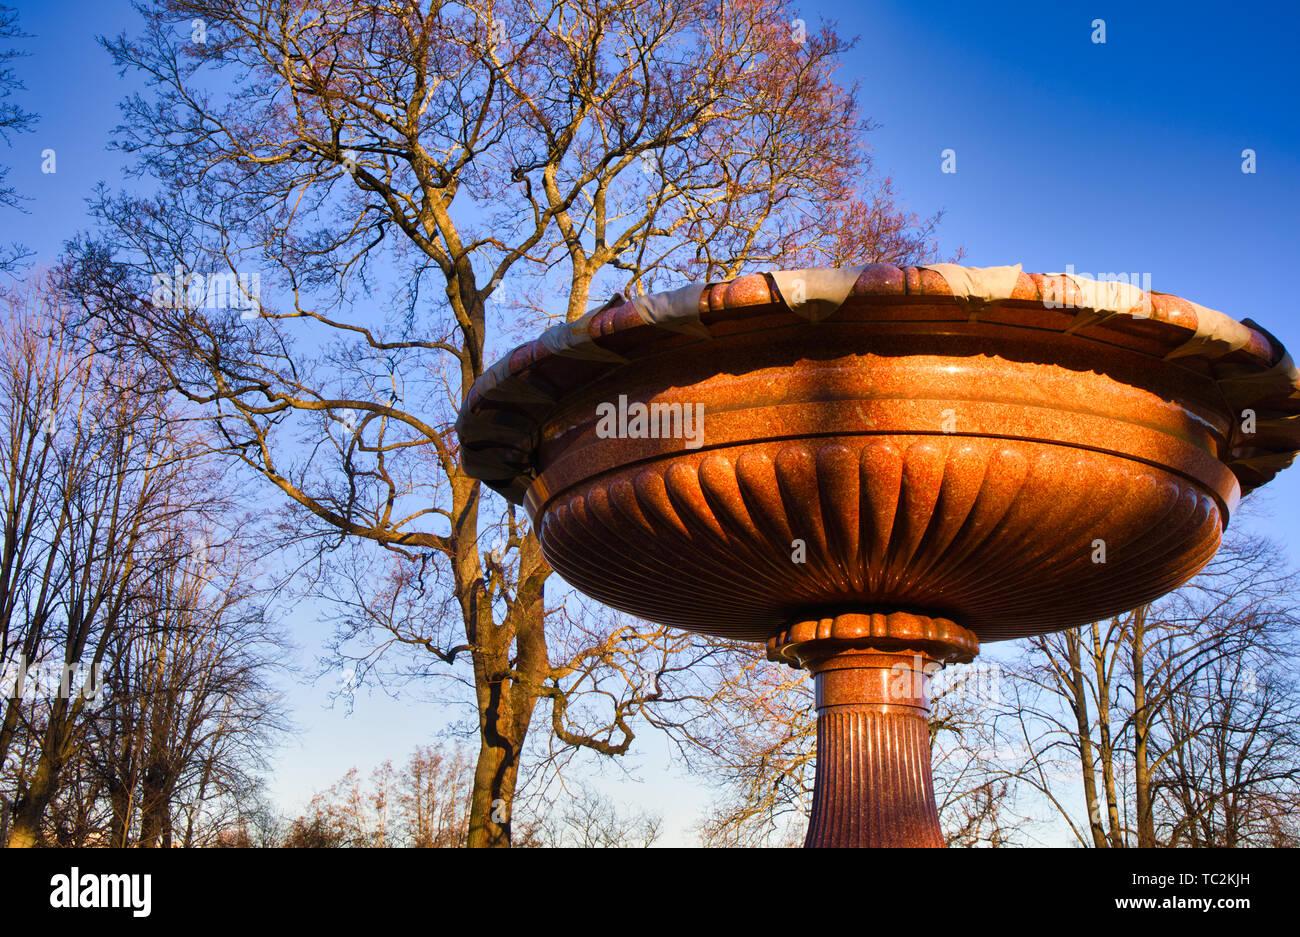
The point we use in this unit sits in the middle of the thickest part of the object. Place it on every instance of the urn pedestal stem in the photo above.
(872, 675)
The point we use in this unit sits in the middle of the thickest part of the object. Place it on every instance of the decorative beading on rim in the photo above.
(940, 639)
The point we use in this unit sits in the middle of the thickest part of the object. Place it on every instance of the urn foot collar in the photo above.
(941, 640)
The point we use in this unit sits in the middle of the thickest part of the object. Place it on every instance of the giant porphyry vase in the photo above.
(874, 469)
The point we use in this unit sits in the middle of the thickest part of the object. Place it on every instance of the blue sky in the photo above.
(1125, 156)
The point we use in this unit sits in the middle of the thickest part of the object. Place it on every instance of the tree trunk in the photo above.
(1146, 829)
(1080, 706)
(119, 798)
(29, 810)
(579, 295)
(492, 800)
(155, 802)
(1106, 750)
(507, 698)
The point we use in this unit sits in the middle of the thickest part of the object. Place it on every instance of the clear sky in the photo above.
(1122, 156)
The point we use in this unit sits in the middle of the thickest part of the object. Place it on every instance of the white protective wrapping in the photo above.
(817, 292)
(677, 310)
(976, 287)
(1216, 335)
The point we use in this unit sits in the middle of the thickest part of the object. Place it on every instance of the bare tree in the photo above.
(83, 494)
(13, 119)
(587, 819)
(1223, 741)
(757, 743)
(191, 713)
(39, 377)
(433, 794)
(465, 149)
(99, 595)
(1178, 718)
(976, 790)
(113, 471)
(424, 805)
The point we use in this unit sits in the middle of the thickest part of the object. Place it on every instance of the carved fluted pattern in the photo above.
(873, 780)
(740, 541)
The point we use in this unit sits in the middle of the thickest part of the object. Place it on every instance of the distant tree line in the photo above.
(424, 804)
(135, 649)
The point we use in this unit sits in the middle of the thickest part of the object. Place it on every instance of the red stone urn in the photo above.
(873, 469)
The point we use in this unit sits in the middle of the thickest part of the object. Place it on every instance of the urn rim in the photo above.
(500, 421)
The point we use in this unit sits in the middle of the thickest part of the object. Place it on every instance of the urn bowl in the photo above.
(1016, 453)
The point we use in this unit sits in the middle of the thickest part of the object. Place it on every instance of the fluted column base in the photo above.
(872, 672)
(873, 780)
